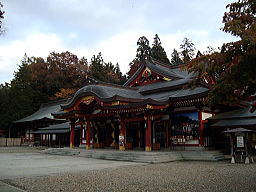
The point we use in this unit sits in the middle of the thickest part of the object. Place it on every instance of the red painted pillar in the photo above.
(201, 129)
(88, 134)
(148, 133)
(122, 135)
(72, 135)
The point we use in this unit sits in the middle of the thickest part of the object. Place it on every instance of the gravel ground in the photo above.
(174, 176)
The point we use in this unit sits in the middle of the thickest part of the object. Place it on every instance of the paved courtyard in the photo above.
(32, 171)
(17, 165)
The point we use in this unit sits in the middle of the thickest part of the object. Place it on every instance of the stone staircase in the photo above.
(140, 156)
(203, 155)
(61, 151)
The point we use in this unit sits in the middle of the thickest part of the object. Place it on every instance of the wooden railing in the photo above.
(10, 142)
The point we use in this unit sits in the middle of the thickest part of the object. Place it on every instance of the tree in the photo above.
(1, 18)
(210, 50)
(175, 60)
(106, 72)
(232, 70)
(157, 51)
(199, 54)
(96, 67)
(187, 50)
(143, 50)
(134, 66)
(65, 70)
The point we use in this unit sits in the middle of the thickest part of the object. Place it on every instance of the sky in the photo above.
(112, 27)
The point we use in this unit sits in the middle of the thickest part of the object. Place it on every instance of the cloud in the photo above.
(39, 45)
(119, 48)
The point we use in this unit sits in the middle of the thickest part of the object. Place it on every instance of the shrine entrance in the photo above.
(135, 135)
(185, 129)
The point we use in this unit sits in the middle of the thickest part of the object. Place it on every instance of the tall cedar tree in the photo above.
(142, 53)
(187, 50)
(175, 60)
(232, 70)
(97, 67)
(198, 54)
(143, 50)
(157, 51)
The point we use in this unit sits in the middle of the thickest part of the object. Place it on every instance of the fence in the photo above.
(10, 142)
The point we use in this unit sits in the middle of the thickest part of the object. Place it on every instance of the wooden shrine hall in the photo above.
(154, 109)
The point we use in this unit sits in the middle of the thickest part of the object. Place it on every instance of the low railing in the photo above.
(6, 142)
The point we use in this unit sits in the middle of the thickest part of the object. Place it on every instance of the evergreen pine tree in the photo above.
(199, 54)
(157, 51)
(143, 50)
(175, 60)
(96, 67)
(187, 50)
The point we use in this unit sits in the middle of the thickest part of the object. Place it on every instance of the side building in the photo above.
(25, 127)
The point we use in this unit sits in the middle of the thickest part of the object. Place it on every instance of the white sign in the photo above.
(121, 140)
(240, 141)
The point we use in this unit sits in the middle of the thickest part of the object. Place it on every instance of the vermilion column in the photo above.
(148, 133)
(122, 135)
(201, 129)
(88, 134)
(72, 135)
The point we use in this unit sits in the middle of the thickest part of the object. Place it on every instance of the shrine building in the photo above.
(156, 108)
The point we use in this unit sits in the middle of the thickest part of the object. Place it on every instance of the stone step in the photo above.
(140, 156)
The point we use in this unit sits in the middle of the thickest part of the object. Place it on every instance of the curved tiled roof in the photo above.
(159, 92)
(105, 92)
(108, 93)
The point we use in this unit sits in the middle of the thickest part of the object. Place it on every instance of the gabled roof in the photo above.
(166, 85)
(162, 69)
(179, 94)
(44, 112)
(235, 123)
(54, 129)
(239, 113)
(235, 118)
(238, 130)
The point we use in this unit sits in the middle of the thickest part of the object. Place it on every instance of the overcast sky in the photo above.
(86, 27)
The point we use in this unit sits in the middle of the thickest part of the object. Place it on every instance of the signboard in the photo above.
(240, 141)
(121, 140)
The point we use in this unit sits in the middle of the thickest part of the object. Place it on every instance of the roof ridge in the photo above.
(50, 103)
(116, 85)
(135, 74)
(166, 64)
(160, 63)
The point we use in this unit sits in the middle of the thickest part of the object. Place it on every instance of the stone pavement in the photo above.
(17, 165)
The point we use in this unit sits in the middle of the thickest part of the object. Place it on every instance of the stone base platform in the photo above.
(139, 156)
